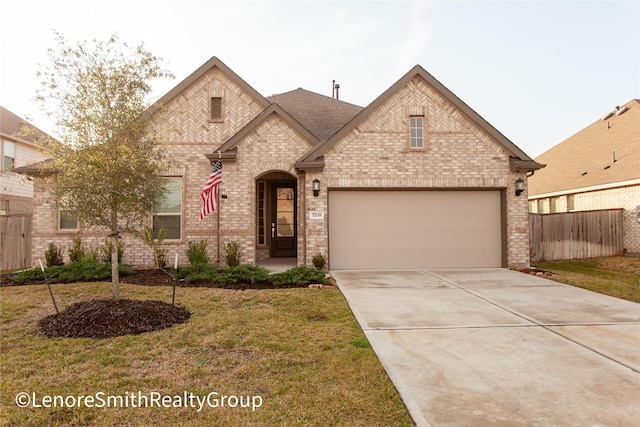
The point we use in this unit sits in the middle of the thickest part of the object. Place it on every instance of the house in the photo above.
(16, 193)
(415, 179)
(597, 168)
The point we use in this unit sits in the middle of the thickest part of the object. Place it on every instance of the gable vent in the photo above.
(216, 108)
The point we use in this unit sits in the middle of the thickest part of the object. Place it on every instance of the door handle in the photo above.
(273, 230)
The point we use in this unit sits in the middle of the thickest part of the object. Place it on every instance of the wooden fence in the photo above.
(15, 241)
(575, 235)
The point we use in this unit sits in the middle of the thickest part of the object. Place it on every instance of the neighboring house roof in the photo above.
(11, 126)
(520, 161)
(602, 154)
(321, 115)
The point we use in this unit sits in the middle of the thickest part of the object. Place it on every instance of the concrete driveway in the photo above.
(479, 347)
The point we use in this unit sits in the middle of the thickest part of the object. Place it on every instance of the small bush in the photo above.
(159, 253)
(197, 253)
(53, 255)
(105, 251)
(232, 253)
(318, 261)
(300, 276)
(76, 252)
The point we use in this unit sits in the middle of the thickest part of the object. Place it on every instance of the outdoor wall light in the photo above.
(316, 187)
(519, 186)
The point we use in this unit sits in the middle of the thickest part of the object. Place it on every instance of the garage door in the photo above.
(414, 229)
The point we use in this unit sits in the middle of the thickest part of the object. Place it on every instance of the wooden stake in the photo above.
(48, 285)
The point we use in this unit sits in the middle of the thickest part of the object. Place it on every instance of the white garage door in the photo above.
(414, 229)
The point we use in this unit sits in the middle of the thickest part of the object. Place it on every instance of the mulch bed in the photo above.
(110, 318)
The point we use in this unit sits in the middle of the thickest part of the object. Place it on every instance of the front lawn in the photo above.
(299, 353)
(615, 276)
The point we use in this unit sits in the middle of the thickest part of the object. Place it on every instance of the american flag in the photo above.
(209, 194)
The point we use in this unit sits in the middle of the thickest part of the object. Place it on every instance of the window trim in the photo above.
(66, 230)
(412, 138)
(3, 166)
(181, 213)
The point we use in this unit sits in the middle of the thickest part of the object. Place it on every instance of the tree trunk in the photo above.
(115, 279)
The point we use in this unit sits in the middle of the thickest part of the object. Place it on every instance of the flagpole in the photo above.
(218, 216)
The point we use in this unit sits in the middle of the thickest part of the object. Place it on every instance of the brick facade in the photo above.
(457, 154)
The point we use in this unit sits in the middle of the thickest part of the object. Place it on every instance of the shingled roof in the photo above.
(604, 153)
(11, 127)
(319, 114)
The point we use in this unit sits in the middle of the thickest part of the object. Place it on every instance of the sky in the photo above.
(538, 71)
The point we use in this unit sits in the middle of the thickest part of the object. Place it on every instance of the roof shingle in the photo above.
(605, 152)
(319, 114)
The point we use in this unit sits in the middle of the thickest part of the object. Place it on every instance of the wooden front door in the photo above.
(283, 220)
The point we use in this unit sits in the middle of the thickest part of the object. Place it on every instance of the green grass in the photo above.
(615, 276)
(300, 350)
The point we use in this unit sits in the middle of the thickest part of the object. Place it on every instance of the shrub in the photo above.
(105, 250)
(300, 276)
(232, 253)
(199, 273)
(53, 255)
(245, 273)
(318, 261)
(159, 253)
(197, 253)
(76, 252)
(82, 271)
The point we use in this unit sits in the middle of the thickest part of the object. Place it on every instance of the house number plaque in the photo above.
(316, 215)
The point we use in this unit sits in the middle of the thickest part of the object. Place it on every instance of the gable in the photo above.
(273, 137)
(443, 111)
(229, 149)
(604, 153)
(454, 148)
(184, 113)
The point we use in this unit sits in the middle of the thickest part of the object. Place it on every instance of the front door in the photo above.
(283, 220)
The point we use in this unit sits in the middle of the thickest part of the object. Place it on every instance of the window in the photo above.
(571, 202)
(4, 207)
(167, 214)
(8, 155)
(543, 206)
(261, 213)
(556, 205)
(67, 221)
(216, 109)
(415, 125)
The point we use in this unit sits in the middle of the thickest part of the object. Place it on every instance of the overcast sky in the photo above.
(537, 71)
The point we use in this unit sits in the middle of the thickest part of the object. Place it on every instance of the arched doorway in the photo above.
(276, 216)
